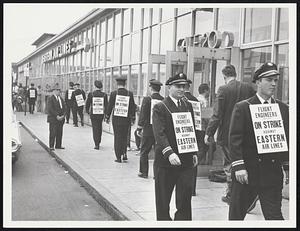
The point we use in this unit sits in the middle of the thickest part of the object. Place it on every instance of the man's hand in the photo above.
(287, 181)
(242, 176)
(208, 139)
(195, 160)
(174, 159)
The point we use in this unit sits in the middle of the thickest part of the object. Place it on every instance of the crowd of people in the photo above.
(173, 126)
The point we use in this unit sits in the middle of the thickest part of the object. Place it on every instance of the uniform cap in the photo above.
(121, 79)
(32, 84)
(154, 82)
(71, 84)
(177, 79)
(98, 84)
(78, 84)
(265, 70)
(189, 81)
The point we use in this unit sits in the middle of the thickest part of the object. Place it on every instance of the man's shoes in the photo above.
(194, 194)
(252, 206)
(125, 157)
(118, 160)
(226, 199)
(82, 124)
(75, 125)
(60, 147)
(142, 175)
(96, 147)
(52, 149)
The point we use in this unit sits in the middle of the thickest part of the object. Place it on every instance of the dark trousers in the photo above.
(243, 195)
(55, 134)
(146, 146)
(68, 110)
(128, 136)
(120, 139)
(227, 168)
(97, 130)
(138, 139)
(165, 181)
(31, 106)
(78, 110)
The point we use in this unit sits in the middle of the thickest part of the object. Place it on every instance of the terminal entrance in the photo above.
(202, 65)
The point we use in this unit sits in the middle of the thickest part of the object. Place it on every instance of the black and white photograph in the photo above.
(149, 115)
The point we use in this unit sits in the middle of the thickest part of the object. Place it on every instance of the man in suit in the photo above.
(145, 125)
(32, 96)
(69, 102)
(56, 118)
(96, 105)
(175, 156)
(228, 95)
(78, 98)
(121, 102)
(256, 171)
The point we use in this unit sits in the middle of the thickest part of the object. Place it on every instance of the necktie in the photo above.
(58, 101)
(178, 103)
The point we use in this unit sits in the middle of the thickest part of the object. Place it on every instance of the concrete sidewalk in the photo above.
(116, 186)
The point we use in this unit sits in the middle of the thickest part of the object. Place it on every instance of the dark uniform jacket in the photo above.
(144, 119)
(228, 95)
(28, 94)
(131, 110)
(263, 169)
(54, 109)
(164, 134)
(89, 102)
(77, 92)
(68, 101)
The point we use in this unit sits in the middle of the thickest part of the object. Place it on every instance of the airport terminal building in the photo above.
(145, 43)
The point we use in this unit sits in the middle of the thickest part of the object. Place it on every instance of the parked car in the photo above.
(15, 139)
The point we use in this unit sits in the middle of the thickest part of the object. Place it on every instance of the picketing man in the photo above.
(175, 151)
(32, 96)
(96, 105)
(258, 143)
(69, 102)
(227, 96)
(56, 118)
(122, 107)
(78, 99)
(145, 125)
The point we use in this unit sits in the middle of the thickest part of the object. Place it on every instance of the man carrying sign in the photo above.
(32, 96)
(78, 98)
(145, 125)
(69, 103)
(96, 104)
(175, 151)
(256, 171)
(121, 102)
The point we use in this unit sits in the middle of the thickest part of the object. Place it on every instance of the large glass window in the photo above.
(258, 24)
(101, 56)
(163, 78)
(135, 47)
(252, 59)
(103, 31)
(109, 54)
(183, 29)
(283, 25)
(166, 42)
(146, 17)
(167, 13)
(110, 28)
(204, 20)
(126, 28)
(116, 74)
(107, 80)
(155, 15)
(124, 71)
(181, 11)
(145, 44)
(117, 51)
(100, 75)
(282, 57)
(118, 25)
(136, 18)
(155, 40)
(229, 20)
(126, 50)
(97, 33)
(143, 78)
(134, 79)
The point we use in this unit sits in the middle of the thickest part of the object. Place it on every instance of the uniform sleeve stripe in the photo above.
(166, 149)
(238, 162)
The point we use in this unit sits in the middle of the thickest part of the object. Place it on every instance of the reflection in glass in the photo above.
(167, 13)
(125, 50)
(136, 18)
(282, 57)
(100, 75)
(252, 59)
(116, 74)
(117, 25)
(103, 31)
(135, 47)
(143, 79)
(163, 78)
(283, 25)
(229, 20)
(124, 71)
(109, 54)
(134, 79)
(126, 27)
(184, 27)
(258, 24)
(116, 51)
(145, 44)
(166, 43)
(101, 55)
(204, 21)
(107, 80)
(155, 40)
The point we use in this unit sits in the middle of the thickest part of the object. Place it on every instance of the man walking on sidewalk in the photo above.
(96, 105)
(32, 96)
(145, 125)
(228, 95)
(121, 102)
(69, 102)
(56, 118)
(78, 98)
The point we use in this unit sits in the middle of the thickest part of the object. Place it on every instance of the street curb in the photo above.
(113, 206)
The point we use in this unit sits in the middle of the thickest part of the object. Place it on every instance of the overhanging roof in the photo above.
(42, 38)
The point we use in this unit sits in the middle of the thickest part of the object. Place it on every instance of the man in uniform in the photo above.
(255, 172)
(69, 102)
(121, 101)
(96, 105)
(232, 92)
(32, 96)
(174, 167)
(56, 118)
(145, 125)
(78, 98)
